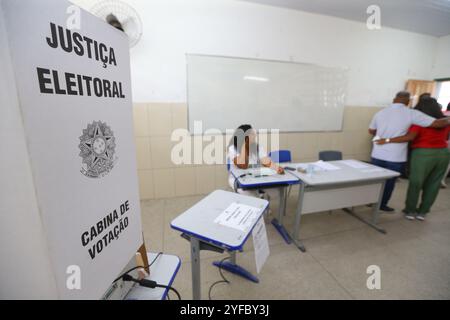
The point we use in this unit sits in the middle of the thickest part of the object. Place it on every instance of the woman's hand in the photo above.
(380, 141)
(268, 163)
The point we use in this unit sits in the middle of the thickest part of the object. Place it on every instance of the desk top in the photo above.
(251, 181)
(163, 271)
(345, 174)
(198, 221)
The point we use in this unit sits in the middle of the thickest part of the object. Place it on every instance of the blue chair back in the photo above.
(330, 155)
(280, 156)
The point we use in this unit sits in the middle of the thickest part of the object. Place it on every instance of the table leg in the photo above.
(278, 223)
(195, 264)
(298, 217)
(376, 207)
(233, 257)
(375, 213)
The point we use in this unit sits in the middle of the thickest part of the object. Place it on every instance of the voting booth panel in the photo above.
(73, 80)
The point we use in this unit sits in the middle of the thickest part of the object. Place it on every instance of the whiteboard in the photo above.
(225, 92)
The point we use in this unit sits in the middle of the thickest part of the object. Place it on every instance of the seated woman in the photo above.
(244, 152)
(429, 160)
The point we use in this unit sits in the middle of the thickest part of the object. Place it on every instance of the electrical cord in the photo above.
(145, 282)
(149, 284)
(224, 280)
(139, 267)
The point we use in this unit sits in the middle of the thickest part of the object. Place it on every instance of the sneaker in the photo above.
(420, 217)
(410, 216)
(387, 209)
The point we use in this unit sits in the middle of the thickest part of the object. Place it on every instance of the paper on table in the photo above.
(325, 166)
(260, 244)
(267, 172)
(355, 164)
(370, 170)
(238, 216)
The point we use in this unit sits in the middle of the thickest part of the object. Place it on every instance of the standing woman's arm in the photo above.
(410, 136)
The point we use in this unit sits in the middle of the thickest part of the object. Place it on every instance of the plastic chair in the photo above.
(280, 156)
(330, 155)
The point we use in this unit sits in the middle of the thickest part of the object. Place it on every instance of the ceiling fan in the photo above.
(121, 16)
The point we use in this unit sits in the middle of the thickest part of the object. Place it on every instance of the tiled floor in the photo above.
(414, 256)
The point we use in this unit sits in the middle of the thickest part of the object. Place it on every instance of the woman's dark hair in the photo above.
(448, 107)
(425, 95)
(239, 136)
(430, 107)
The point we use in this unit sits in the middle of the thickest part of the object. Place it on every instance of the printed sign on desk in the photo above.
(261, 244)
(74, 90)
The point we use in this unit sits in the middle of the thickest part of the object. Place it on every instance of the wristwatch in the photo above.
(388, 140)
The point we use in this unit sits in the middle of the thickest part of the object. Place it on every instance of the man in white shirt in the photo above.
(391, 122)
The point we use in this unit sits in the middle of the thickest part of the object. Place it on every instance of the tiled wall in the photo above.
(160, 178)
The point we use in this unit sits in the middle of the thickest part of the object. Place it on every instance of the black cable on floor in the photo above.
(224, 280)
(170, 288)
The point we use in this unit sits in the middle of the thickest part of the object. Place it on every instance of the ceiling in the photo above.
(430, 17)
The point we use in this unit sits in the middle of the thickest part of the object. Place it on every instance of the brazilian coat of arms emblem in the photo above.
(97, 148)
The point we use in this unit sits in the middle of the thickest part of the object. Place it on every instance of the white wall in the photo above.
(380, 62)
(442, 63)
(25, 269)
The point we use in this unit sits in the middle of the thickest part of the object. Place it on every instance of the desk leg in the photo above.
(298, 217)
(233, 257)
(195, 264)
(375, 213)
(232, 267)
(278, 224)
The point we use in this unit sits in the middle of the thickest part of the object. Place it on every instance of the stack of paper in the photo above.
(356, 164)
(325, 166)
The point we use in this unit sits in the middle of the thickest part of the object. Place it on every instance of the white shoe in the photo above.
(420, 217)
(410, 216)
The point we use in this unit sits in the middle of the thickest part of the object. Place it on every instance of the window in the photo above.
(443, 93)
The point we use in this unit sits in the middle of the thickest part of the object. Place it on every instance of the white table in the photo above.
(340, 189)
(198, 226)
(163, 271)
(248, 179)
